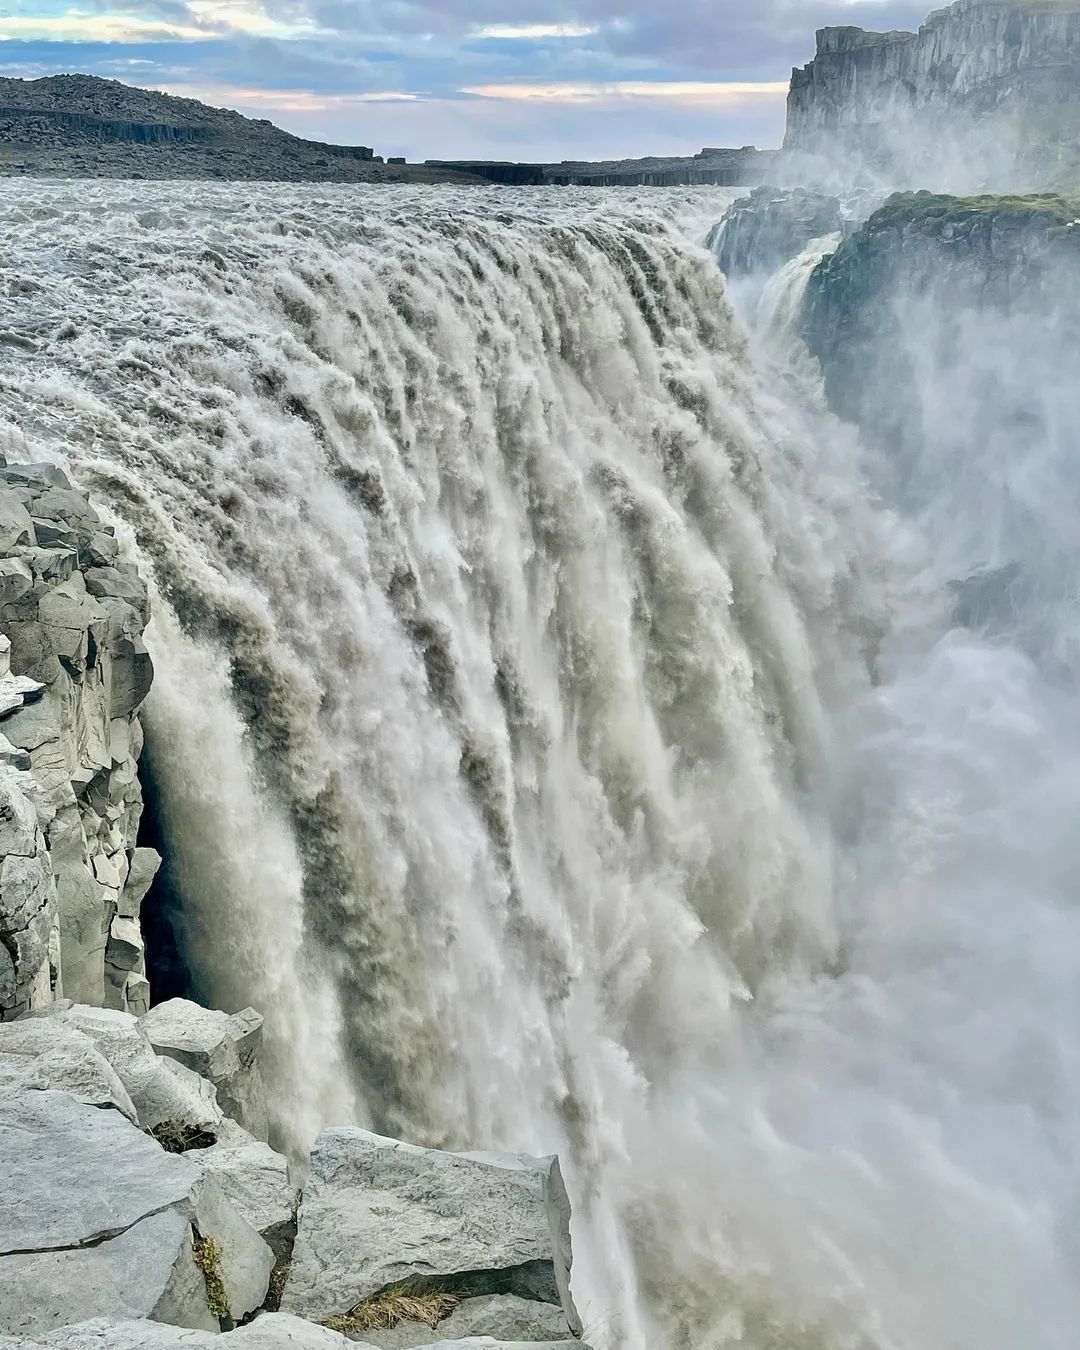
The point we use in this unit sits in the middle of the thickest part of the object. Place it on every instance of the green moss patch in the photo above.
(208, 1259)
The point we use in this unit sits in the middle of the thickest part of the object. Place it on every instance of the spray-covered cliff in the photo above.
(1005, 74)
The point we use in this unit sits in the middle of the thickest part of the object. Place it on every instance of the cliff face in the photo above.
(976, 58)
(73, 672)
(994, 256)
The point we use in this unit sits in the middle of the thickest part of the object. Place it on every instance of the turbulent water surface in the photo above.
(556, 745)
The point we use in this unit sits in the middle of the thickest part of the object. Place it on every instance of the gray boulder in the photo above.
(97, 1220)
(166, 1095)
(504, 1316)
(36, 1054)
(256, 1181)
(273, 1331)
(377, 1212)
(104, 1334)
(492, 1343)
(221, 1048)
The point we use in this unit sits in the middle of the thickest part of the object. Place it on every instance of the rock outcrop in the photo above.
(72, 615)
(377, 1213)
(991, 254)
(770, 227)
(82, 126)
(996, 78)
(220, 1048)
(131, 1198)
(96, 1219)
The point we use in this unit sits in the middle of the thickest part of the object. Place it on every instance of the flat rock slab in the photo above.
(272, 1331)
(377, 1212)
(255, 1180)
(163, 1091)
(38, 1054)
(96, 1220)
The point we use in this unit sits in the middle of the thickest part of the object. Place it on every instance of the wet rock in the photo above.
(771, 226)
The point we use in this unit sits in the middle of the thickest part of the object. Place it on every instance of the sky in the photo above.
(495, 79)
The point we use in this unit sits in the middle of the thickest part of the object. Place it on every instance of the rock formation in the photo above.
(377, 1213)
(998, 255)
(72, 615)
(130, 1194)
(1003, 75)
(716, 166)
(763, 231)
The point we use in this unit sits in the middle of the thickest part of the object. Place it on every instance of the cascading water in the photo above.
(516, 749)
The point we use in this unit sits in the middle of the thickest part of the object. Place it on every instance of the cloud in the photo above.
(75, 27)
(532, 32)
(282, 101)
(691, 93)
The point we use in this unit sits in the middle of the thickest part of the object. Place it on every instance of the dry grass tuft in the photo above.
(396, 1304)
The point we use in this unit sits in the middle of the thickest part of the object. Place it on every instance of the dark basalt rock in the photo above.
(772, 226)
(1001, 255)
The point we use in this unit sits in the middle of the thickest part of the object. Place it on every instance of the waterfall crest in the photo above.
(514, 632)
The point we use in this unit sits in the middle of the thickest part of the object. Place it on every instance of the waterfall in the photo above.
(516, 740)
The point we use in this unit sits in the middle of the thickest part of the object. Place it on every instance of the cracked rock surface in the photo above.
(73, 672)
(96, 1219)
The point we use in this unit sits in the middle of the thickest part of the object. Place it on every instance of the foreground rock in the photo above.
(504, 1316)
(257, 1182)
(97, 1220)
(270, 1332)
(170, 1100)
(73, 673)
(377, 1213)
(218, 1047)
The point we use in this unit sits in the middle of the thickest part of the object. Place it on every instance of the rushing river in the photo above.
(562, 745)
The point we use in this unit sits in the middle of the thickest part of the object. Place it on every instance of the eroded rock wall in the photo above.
(869, 93)
(74, 615)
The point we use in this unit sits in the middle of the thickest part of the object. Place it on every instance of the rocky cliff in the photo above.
(999, 257)
(75, 670)
(881, 96)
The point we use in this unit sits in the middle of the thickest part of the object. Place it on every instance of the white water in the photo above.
(519, 756)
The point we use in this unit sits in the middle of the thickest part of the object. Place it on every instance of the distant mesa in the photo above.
(744, 167)
(80, 126)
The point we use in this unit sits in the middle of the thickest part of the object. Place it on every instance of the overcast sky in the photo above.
(505, 79)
